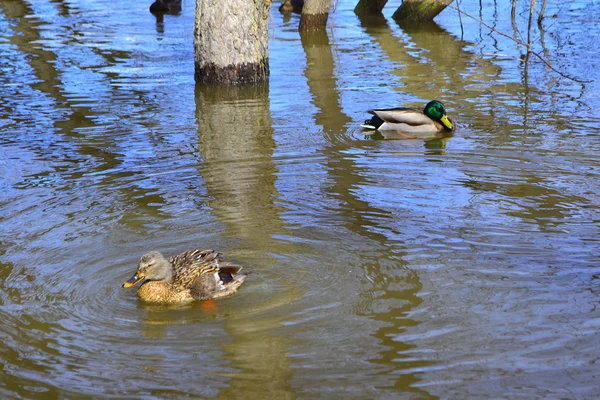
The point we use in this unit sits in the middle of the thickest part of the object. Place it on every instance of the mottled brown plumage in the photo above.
(193, 275)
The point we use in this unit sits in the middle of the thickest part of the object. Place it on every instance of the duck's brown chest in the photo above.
(163, 293)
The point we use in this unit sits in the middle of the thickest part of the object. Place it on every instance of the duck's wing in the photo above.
(221, 283)
(402, 115)
(192, 264)
(205, 274)
(227, 268)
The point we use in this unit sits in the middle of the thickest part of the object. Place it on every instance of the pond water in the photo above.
(461, 267)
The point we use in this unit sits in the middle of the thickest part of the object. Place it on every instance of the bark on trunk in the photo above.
(365, 7)
(420, 10)
(314, 15)
(231, 41)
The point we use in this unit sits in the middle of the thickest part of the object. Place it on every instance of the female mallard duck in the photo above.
(432, 119)
(193, 275)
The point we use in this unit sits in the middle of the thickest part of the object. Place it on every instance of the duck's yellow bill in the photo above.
(133, 280)
(446, 121)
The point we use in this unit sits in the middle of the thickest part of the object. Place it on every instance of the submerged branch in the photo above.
(504, 55)
(519, 42)
(531, 8)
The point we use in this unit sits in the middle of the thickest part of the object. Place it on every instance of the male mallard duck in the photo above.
(432, 119)
(193, 275)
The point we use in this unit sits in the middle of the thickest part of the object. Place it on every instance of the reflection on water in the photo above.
(235, 140)
(435, 267)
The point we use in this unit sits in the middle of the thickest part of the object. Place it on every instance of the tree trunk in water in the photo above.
(365, 7)
(231, 41)
(420, 10)
(314, 15)
(288, 6)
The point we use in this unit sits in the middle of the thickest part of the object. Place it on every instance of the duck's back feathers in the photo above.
(408, 120)
(205, 274)
(190, 265)
(402, 115)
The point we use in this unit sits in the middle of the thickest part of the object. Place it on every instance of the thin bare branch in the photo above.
(557, 71)
(531, 8)
(513, 11)
(488, 26)
(542, 11)
(335, 4)
(522, 44)
(462, 31)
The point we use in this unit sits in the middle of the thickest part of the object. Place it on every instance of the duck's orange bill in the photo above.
(133, 280)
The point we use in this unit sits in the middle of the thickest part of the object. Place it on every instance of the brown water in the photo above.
(461, 267)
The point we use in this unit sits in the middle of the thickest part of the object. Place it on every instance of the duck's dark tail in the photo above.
(374, 123)
(368, 125)
(235, 281)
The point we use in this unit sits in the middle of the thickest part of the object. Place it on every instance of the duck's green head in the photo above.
(436, 111)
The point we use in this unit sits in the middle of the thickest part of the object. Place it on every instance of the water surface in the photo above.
(461, 267)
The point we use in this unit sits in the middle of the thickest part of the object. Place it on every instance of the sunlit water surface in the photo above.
(462, 267)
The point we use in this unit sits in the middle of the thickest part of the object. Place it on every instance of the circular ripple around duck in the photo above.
(78, 331)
